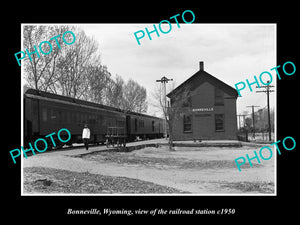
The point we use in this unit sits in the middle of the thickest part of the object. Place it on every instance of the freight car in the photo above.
(45, 113)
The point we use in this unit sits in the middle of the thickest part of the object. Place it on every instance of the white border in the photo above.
(208, 24)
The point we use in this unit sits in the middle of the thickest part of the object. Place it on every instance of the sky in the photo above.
(230, 52)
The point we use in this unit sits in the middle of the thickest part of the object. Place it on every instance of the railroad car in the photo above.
(45, 113)
(144, 126)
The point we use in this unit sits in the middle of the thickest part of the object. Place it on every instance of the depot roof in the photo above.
(199, 78)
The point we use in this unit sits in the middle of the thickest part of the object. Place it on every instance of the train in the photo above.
(45, 113)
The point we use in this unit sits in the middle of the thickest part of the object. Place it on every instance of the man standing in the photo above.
(86, 136)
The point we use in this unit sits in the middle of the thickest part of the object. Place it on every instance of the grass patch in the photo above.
(48, 180)
(259, 186)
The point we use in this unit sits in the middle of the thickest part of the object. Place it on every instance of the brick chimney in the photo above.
(201, 64)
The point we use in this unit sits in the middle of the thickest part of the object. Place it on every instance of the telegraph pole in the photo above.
(165, 80)
(268, 91)
(253, 122)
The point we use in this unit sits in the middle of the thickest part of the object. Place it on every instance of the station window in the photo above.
(219, 98)
(187, 123)
(219, 122)
(152, 126)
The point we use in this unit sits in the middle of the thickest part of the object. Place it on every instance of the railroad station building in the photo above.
(204, 108)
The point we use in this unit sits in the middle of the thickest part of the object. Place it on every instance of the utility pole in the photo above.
(165, 80)
(253, 122)
(268, 91)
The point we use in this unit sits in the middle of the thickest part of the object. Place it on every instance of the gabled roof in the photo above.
(199, 78)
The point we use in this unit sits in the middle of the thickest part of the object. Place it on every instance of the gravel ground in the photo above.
(202, 170)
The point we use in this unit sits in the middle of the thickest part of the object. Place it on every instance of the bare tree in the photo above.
(114, 92)
(173, 111)
(75, 70)
(99, 79)
(40, 70)
(73, 66)
(134, 97)
(65, 70)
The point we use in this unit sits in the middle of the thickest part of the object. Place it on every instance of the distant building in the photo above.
(207, 108)
(261, 120)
